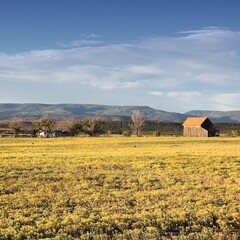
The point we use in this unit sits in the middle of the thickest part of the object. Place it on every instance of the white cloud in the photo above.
(86, 40)
(79, 43)
(192, 65)
(217, 32)
(213, 78)
(226, 101)
(91, 35)
(156, 93)
(181, 96)
(144, 69)
(186, 96)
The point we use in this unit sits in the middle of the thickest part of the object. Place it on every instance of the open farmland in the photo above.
(120, 188)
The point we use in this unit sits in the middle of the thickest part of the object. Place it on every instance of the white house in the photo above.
(42, 133)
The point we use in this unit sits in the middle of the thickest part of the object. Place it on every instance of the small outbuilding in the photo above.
(42, 134)
(199, 127)
(54, 133)
(59, 133)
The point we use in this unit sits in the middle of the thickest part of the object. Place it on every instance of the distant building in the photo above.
(54, 133)
(60, 133)
(42, 134)
(199, 127)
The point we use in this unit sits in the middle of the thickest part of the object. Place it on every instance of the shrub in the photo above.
(156, 133)
(234, 133)
(126, 133)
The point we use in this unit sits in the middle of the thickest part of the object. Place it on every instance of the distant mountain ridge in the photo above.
(31, 111)
(218, 116)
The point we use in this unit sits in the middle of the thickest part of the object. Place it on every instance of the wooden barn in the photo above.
(199, 127)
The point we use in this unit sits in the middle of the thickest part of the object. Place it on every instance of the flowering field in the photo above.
(120, 188)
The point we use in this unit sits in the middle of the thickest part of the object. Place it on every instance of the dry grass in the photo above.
(120, 188)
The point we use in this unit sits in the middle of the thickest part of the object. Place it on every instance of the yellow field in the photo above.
(120, 188)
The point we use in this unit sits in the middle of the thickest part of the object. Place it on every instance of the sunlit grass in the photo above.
(120, 188)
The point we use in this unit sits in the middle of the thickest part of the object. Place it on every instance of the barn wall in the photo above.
(194, 132)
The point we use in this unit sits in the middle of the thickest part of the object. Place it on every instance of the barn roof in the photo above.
(194, 121)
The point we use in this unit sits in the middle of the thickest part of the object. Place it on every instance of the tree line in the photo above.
(18, 127)
(95, 126)
(91, 127)
(88, 126)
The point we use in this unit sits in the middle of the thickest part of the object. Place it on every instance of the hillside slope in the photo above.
(33, 111)
(218, 116)
(69, 111)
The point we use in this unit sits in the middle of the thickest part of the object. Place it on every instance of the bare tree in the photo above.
(92, 127)
(16, 126)
(35, 127)
(47, 125)
(74, 127)
(137, 122)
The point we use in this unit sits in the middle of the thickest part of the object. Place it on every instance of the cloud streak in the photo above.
(198, 68)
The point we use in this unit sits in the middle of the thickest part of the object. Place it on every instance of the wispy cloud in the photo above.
(91, 35)
(145, 70)
(156, 93)
(228, 101)
(185, 96)
(80, 43)
(85, 40)
(194, 68)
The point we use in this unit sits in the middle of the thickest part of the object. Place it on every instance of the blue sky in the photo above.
(168, 54)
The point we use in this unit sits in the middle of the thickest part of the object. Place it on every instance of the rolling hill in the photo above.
(218, 116)
(31, 111)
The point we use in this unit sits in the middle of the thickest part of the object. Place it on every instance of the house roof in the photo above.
(194, 121)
